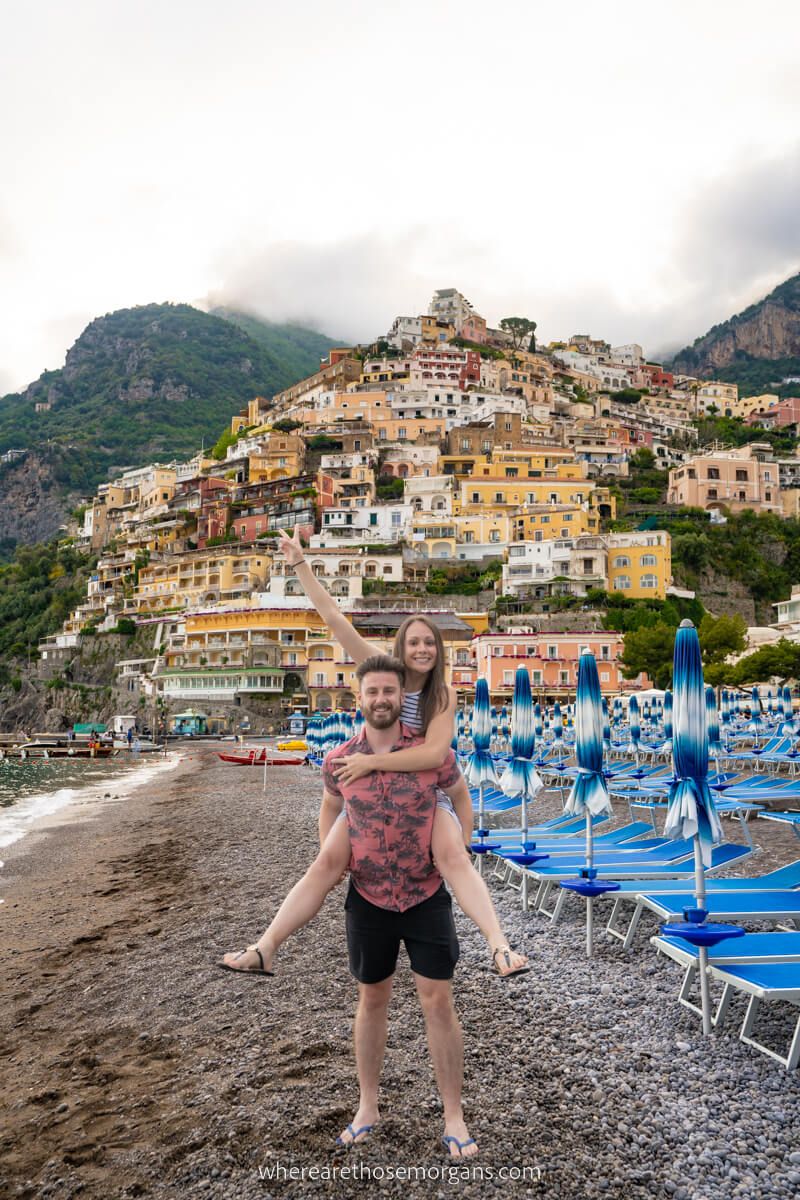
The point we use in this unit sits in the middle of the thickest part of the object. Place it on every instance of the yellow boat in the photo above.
(295, 744)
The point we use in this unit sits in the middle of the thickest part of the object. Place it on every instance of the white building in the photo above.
(430, 494)
(380, 523)
(449, 305)
(571, 564)
(630, 355)
(405, 332)
(342, 571)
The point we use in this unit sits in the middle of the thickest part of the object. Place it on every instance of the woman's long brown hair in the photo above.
(434, 697)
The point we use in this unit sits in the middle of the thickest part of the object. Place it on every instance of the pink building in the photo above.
(552, 662)
(732, 479)
(787, 412)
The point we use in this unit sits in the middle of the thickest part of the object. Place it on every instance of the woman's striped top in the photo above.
(409, 714)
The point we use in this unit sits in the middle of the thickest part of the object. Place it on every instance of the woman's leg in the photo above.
(302, 903)
(469, 888)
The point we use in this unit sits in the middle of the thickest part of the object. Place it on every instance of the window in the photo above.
(498, 497)
(497, 651)
(712, 493)
(604, 676)
(648, 581)
(373, 518)
(387, 570)
(768, 496)
(357, 444)
(401, 432)
(605, 653)
(622, 561)
(508, 678)
(713, 472)
(552, 651)
(622, 583)
(382, 435)
(494, 535)
(475, 498)
(647, 560)
(742, 476)
(538, 535)
(564, 676)
(397, 519)
(536, 678)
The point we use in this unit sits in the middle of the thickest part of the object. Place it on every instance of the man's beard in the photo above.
(384, 718)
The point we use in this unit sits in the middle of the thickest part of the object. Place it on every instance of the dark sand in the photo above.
(131, 1066)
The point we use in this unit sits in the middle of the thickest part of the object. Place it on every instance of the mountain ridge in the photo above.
(756, 348)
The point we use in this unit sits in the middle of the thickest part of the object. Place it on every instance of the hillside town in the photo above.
(446, 453)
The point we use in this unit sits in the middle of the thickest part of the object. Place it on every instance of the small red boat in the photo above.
(255, 758)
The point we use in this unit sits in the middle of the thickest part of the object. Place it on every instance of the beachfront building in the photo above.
(739, 479)
(378, 523)
(551, 660)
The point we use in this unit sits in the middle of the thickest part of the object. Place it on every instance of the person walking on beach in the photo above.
(396, 895)
(428, 710)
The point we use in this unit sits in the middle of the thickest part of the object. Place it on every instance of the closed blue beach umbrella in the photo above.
(537, 720)
(520, 778)
(589, 793)
(558, 725)
(756, 725)
(712, 723)
(479, 770)
(691, 812)
(606, 724)
(667, 746)
(634, 728)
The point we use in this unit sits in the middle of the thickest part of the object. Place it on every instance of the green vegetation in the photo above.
(482, 349)
(521, 330)
(38, 590)
(753, 375)
(148, 383)
(760, 551)
(387, 487)
(734, 432)
(650, 628)
(782, 660)
(299, 350)
(467, 580)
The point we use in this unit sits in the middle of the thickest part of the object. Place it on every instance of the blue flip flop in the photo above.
(354, 1133)
(447, 1141)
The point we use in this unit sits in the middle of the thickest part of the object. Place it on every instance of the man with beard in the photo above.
(397, 895)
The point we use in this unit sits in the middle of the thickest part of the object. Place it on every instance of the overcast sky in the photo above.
(626, 169)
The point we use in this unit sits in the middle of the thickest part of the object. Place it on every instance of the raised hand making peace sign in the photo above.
(291, 547)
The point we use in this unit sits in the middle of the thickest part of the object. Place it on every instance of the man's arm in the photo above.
(462, 803)
(332, 805)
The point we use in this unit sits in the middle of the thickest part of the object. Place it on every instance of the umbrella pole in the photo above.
(589, 901)
(700, 897)
(480, 822)
(524, 840)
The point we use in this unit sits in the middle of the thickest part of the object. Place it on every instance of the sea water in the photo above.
(34, 788)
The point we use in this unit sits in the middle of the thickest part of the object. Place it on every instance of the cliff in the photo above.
(757, 348)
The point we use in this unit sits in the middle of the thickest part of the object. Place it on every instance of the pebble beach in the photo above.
(132, 1066)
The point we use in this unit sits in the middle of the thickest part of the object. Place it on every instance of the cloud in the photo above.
(352, 288)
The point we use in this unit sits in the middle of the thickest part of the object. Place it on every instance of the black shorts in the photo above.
(374, 936)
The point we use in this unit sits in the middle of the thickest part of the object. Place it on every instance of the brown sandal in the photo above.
(506, 953)
(248, 970)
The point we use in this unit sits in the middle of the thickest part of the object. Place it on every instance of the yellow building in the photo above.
(640, 564)
(500, 491)
(200, 577)
(279, 456)
(542, 522)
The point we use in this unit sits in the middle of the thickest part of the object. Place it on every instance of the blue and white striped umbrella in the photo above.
(634, 729)
(725, 707)
(606, 726)
(520, 778)
(589, 790)
(779, 709)
(537, 721)
(358, 722)
(480, 767)
(667, 746)
(617, 711)
(589, 793)
(691, 811)
(789, 725)
(558, 725)
(712, 723)
(756, 724)
(770, 702)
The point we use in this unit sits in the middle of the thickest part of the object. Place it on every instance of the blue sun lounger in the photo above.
(752, 949)
(788, 818)
(741, 905)
(642, 875)
(761, 981)
(632, 892)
